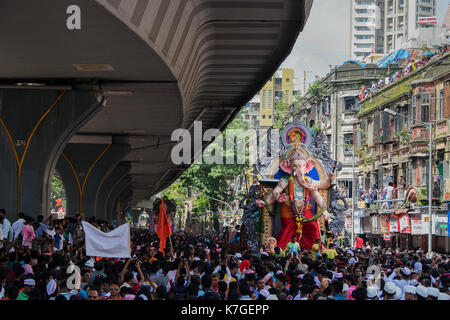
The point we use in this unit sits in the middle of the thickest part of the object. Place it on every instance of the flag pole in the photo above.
(170, 239)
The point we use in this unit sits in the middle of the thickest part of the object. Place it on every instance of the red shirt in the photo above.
(244, 264)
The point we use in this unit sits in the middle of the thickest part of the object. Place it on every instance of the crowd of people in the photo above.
(42, 259)
(409, 65)
(369, 197)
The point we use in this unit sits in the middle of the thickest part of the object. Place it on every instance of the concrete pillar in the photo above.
(115, 177)
(83, 168)
(35, 126)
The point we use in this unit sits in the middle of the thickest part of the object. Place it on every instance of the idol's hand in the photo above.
(282, 197)
(331, 177)
(260, 203)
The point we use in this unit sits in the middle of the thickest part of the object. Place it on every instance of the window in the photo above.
(363, 45)
(348, 140)
(286, 94)
(264, 99)
(270, 99)
(364, 37)
(441, 105)
(363, 28)
(414, 109)
(425, 107)
(349, 104)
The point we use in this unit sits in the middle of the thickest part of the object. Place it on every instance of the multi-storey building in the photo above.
(279, 88)
(381, 26)
(367, 28)
(402, 21)
(395, 148)
(251, 111)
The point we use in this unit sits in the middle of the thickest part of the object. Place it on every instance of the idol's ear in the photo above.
(285, 166)
(310, 165)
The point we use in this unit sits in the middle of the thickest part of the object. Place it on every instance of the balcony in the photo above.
(419, 134)
(442, 129)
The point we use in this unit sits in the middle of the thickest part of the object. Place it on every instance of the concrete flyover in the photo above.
(134, 72)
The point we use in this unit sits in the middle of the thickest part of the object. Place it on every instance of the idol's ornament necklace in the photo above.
(299, 216)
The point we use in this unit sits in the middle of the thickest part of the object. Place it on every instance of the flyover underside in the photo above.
(167, 64)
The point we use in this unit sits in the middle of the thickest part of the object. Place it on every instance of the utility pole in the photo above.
(353, 198)
(430, 186)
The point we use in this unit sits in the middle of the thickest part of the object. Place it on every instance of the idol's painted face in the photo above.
(298, 165)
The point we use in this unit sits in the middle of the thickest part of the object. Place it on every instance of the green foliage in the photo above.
(280, 111)
(212, 180)
(316, 89)
(403, 136)
(57, 191)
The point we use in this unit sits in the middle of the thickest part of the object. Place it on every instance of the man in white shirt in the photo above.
(389, 193)
(6, 228)
(18, 225)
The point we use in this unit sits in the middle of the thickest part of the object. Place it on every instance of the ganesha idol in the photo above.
(301, 177)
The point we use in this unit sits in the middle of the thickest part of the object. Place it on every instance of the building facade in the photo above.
(280, 88)
(394, 148)
(382, 26)
(367, 28)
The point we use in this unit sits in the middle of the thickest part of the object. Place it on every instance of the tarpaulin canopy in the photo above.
(393, 57)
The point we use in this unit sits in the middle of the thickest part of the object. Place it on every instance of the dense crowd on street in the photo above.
(38, 259)
(409, 66)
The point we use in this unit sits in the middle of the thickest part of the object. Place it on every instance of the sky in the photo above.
(325, 39)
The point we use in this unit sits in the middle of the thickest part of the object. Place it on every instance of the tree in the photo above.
(213, 180)
(57, 191)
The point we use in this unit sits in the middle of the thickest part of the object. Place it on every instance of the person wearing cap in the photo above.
(372, 293)
(398, 294)
(28, 285)
(443, 296)
(403, 274)
(433, 293)
(390, 289)
(89, 264)
(421, 292)
(410, 292)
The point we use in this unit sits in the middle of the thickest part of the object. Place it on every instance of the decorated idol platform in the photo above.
(296, 197)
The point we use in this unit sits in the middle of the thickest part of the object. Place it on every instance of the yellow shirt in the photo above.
(331, 253)
(315, 249)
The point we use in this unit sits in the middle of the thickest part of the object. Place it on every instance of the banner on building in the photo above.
(404, 223)
(417, 224)
(427, 20)
(384, 223)
(387, 237)
(393, 224)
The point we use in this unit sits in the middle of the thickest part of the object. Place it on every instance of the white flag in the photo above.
(114, 244)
